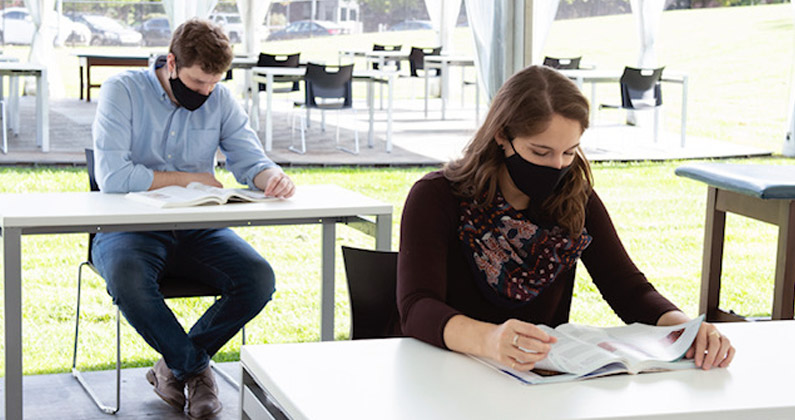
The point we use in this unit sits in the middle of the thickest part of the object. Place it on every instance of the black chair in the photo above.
(417, 62)
(327, 90)
(380, 47)
(640, 90)
(372, 279)
(563, 63)
(288, 60)
(169, 287)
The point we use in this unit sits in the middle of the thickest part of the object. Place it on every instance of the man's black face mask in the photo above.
(187, 98)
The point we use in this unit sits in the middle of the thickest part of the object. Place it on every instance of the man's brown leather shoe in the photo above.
(166, 385)
(203, 399)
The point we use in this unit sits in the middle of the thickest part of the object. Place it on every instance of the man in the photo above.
(162, 126)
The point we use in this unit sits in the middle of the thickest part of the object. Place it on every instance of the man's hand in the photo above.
(275, 183)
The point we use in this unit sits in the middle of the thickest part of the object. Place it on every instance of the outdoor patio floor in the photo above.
(416, 140)
(60, 397)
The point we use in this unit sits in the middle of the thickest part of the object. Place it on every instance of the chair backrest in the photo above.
(279, 60)
(170, 287)
(416, 57)
(372, 279)
(563, 63)
(282, 60)
(380, 47)
(640, 88)
(322, 83)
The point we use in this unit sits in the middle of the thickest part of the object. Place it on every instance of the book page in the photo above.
(221, 193)
(573, 355)
(172, 196)
(231, 194)
(640, 342)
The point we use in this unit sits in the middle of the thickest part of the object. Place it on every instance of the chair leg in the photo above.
(355, 150)
(77, 374)
(292, 148)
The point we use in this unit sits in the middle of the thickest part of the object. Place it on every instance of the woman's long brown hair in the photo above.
(524, 106)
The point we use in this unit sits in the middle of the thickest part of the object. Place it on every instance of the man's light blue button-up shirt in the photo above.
(138, 130)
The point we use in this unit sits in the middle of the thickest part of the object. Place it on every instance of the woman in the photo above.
(489, 244)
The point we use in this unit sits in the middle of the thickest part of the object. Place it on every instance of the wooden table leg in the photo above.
(784, 289)
(714, 228)
(81, 83)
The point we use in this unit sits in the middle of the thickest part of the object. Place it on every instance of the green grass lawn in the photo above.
(740, 66)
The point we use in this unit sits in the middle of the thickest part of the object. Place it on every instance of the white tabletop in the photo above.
(407, 379)
(62, 210)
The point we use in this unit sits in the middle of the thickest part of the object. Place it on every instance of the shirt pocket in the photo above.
(199, 149)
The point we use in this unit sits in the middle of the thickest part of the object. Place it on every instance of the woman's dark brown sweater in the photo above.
(435, 281)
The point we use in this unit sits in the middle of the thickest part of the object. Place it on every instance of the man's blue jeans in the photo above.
(132, 263)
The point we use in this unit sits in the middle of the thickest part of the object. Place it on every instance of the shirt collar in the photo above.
(158, 62)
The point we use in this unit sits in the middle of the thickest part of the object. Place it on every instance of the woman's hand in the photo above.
(518, 345)
(710, 348)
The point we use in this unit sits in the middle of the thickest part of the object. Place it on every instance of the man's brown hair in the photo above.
(200, 42)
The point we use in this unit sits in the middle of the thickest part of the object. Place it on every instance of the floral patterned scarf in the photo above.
(510, 255)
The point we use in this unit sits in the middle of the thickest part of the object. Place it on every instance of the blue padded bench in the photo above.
(761, 192)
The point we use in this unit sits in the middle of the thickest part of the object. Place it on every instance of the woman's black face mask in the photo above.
(188, 98)
(536, 181)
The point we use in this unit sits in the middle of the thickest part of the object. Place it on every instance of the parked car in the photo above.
(155, 31)
(231, 24)
(411, 25)
(107, 31)
(306, 29)
(17, 27)
(74, 33)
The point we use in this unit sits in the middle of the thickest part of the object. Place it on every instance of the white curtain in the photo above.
(253, 13)
(544, 12)
(489, 21)
(789, 140)
(647, 16)
(443, 15)
(179, 11)
(41, 51)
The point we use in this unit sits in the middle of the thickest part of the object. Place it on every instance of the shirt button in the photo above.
(169, 156)
(173, 132)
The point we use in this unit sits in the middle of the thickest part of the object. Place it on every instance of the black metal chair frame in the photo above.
(319, 83)
(169, 288)
(641, 90)
(416, 61)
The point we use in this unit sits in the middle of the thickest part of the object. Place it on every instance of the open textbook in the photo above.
(587, 352)
(196, 194)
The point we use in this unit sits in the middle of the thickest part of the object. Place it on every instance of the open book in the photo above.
(196, 194)
(587, 352)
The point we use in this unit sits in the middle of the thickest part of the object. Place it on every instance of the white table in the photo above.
(266, 75)
(14, 71)
(407, 379)
(443, 63)
(51, 213)
(594, 76)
